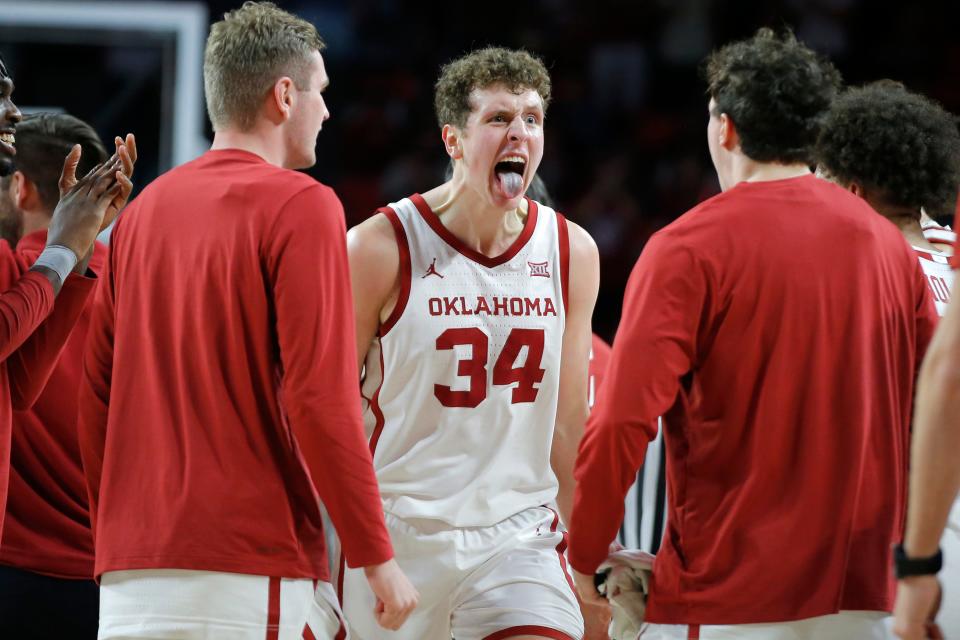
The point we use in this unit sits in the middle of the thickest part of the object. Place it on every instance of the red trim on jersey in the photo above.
(561, 550)
(404, 248)
(273, 609)
(528, 630)
(375, 407)
(932, 257)
(693, 632)
(342, 631)
(343, 568)
(431, 219)
(563, 238)
(307, 633)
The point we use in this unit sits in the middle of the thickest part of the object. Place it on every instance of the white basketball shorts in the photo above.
(478, 583)
(846, 625)
(207, 605)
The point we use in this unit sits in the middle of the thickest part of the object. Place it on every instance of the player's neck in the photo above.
(35, 221)
(913, 232)
(253, 141)
(488, 230)
(745, 169)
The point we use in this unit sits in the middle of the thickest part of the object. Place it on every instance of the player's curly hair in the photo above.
(517, 70)
(776, 91)
(897, 143)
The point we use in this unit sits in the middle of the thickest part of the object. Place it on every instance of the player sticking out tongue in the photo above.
(510, 175)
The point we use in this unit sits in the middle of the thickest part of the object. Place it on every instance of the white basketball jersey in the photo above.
(935, 233)
(462, 381)
(936, 267)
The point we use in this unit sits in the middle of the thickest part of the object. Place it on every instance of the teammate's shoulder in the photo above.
(373, 239)
(582, 243)
(286, 184)
(701, 217)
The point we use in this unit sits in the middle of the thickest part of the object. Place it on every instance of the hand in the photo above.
(589, 596)
(80, 212)
(127, 153)
(396, 597)
(596, 621)
(918, 598)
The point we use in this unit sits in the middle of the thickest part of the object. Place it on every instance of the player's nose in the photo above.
(518, 129)
(9, 112)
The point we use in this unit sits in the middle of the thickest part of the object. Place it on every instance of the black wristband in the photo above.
(906, 566)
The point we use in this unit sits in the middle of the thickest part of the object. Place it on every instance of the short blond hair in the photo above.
(246, 53)
(515, 69)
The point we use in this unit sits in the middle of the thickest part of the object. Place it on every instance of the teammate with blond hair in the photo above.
(220, 399)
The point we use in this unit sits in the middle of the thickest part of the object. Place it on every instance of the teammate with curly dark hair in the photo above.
(733, 319)
(776, 91)
(898, 150)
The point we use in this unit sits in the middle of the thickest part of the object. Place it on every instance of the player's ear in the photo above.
(281, 98)
(451, 141)
(729, 138)
(22, 190)
(857, 189)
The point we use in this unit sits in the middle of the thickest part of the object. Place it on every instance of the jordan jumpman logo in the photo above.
(432, 270)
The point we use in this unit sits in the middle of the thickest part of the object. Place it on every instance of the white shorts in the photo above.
(846, 625)
(207, 605)
(477, 583)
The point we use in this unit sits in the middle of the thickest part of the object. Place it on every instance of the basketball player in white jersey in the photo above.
(944, 237)
(473, 311)
(901, 153)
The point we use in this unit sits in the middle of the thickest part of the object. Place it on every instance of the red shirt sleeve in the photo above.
(25, 303)
(655, 346)
(31, 365)
(309, 274)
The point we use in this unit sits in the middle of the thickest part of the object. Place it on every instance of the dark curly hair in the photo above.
(776, 91)
(515, 69)
(899, 144)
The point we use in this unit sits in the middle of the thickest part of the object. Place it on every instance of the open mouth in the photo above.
(7, 137)
(509, 173)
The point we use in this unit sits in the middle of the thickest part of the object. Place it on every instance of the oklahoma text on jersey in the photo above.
(491, 306)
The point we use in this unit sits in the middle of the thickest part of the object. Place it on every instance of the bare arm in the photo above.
(934, 474)
(374, 275)
(572, 408)
(374, 268)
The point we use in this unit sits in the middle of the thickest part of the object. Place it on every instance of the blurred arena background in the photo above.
(625, 149)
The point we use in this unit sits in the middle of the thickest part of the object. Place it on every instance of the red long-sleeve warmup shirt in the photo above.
(220, 367)
(599, 361)
(777, 327)
(32, 334)
(47, 524)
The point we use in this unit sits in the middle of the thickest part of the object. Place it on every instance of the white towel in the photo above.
(627, 580)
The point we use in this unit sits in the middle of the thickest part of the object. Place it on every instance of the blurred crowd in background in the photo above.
(625, 150)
